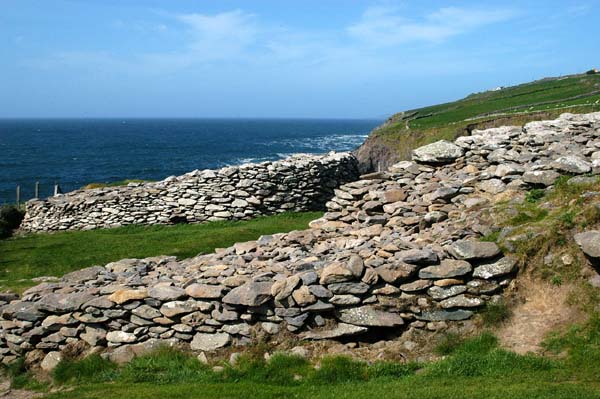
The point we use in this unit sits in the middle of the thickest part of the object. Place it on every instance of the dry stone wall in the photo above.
(299, 183)
(397, 251)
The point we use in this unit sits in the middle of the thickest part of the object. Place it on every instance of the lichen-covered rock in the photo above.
(495, 268)
(369, 316)
(445, 315)
(439, 152)
(572, 164)
(589, 242)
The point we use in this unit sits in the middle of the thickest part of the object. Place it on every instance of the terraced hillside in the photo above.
(542, 99)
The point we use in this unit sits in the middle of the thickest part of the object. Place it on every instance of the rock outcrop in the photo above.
(299, 183)
(396, 250)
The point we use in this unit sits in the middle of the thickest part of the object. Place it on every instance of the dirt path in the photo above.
(545, 309)
(7, 392)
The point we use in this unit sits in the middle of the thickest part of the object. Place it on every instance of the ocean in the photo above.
(75, 152)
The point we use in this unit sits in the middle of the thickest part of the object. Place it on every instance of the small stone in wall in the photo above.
(209, 342)
(51, 360)
(492, 269)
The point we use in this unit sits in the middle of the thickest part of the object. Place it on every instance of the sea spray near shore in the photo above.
(75, 152)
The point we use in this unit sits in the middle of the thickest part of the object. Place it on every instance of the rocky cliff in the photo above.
(398, 252)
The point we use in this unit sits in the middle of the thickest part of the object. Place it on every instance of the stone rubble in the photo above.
(396, 250)
(299, 183)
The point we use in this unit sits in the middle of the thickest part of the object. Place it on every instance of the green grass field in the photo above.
(26, 257)
(475, 368)
(543, 99)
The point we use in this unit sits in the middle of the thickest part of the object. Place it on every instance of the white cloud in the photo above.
(222, 35)
(384, 26)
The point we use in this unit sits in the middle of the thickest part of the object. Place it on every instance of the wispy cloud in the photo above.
(385, 26)
(240, 37)
(222, 35)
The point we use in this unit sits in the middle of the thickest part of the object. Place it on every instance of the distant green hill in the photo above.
(516, 105)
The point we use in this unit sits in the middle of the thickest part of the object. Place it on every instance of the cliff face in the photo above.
(375, 155)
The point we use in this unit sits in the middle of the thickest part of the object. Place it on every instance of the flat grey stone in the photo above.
(446, 269)
(440, 293)
(473, 249)
(341, 330)
(445, 315)
(249, 294)
(166, 293)
(369, 316)
(209, 342)
(495, 268)
(461, 301)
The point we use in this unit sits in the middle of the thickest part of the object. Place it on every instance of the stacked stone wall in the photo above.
(299, 183)
(397, 250)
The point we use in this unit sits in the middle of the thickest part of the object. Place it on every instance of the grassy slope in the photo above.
(26, 257)
(512, 105)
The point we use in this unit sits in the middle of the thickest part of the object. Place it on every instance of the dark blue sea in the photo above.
(75, 152)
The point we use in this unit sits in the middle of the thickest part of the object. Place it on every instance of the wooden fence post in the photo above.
(18, 194)
(37, 189)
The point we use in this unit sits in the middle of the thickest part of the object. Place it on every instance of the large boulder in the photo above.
(439, 152)
(589, 242)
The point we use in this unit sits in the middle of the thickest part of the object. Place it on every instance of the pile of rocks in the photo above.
(396, 250)
(300, 183)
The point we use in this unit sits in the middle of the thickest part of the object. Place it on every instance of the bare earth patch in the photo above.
(543, 310)
(7, 392)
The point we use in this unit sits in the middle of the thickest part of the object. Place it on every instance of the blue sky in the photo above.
(278, 58)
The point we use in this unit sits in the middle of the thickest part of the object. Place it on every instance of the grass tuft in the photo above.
(495, 313)
(480, 356)
(165, 366)
(339, 369)
(90, 369)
